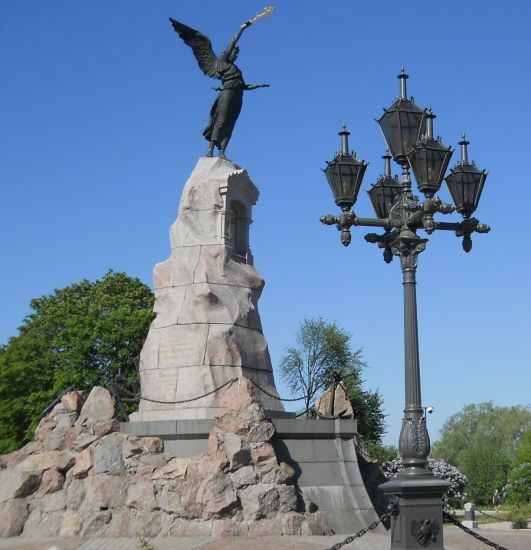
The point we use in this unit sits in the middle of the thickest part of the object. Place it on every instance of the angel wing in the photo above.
(201, 46)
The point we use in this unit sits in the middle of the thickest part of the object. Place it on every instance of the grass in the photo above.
(144, 544)
(518, 515)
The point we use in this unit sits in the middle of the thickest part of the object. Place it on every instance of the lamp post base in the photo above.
(419, 522)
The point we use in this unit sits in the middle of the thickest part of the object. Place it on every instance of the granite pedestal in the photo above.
(322, 452)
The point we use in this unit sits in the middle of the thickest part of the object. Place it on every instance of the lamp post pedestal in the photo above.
(419, 520)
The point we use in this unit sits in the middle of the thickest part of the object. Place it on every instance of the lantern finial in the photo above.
(387, 163)
(344, 139)
(464, 149)
(403, 77)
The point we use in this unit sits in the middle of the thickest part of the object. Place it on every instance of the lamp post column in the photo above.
(414, 442)
(419, 520)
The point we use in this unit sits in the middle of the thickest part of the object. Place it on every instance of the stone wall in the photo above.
(80, 477)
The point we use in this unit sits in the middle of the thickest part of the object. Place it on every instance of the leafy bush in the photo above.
(519, 522)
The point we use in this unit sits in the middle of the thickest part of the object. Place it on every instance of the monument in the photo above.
(210, 450)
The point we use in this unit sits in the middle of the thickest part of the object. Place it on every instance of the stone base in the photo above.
(322, 453)
(470, 524)
(192, 413)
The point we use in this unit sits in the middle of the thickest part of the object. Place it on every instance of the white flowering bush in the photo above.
(441, 470)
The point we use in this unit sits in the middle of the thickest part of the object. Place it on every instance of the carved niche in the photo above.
(239, 195)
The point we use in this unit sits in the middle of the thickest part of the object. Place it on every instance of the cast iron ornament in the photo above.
(414, 439)
(228, 104)
(425, 531)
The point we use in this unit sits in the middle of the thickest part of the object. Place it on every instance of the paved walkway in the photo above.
(454, 539)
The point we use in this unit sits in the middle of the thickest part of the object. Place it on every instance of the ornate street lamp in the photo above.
(408, 131)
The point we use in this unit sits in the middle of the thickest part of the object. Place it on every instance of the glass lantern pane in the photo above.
(389, 124)
(410, 130)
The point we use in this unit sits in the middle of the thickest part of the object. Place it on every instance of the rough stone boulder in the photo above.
(342, 404)
(101, 482)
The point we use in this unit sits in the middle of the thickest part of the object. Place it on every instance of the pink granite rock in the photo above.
(84, 463)
(52, 481)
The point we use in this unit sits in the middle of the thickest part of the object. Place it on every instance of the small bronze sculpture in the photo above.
(228, 104)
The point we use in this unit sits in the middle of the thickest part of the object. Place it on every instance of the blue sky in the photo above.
(101, 112)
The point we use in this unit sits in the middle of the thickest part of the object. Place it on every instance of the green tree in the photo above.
(368, 409)
(503, 427)
(382, 453)
(486, 468)
(81, 335)
(323, 348)
(481, 440)
(518, 489)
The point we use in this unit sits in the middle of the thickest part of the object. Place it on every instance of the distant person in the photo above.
(496, 500)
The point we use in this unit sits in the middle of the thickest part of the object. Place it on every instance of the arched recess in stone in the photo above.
(238, 232)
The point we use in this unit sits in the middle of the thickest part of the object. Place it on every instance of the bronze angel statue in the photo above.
(228, 104)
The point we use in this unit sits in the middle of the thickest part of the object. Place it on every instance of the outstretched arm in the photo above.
(248, 23)
(255, 86)
(228, 50)
(246, 87)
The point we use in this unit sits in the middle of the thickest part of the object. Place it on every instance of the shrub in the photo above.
(519, 522)
(441, 470)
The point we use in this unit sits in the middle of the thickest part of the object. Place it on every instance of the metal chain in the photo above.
(274, 396)
(210, 393)
(231, 381)
(488, 542)
(362, 532)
